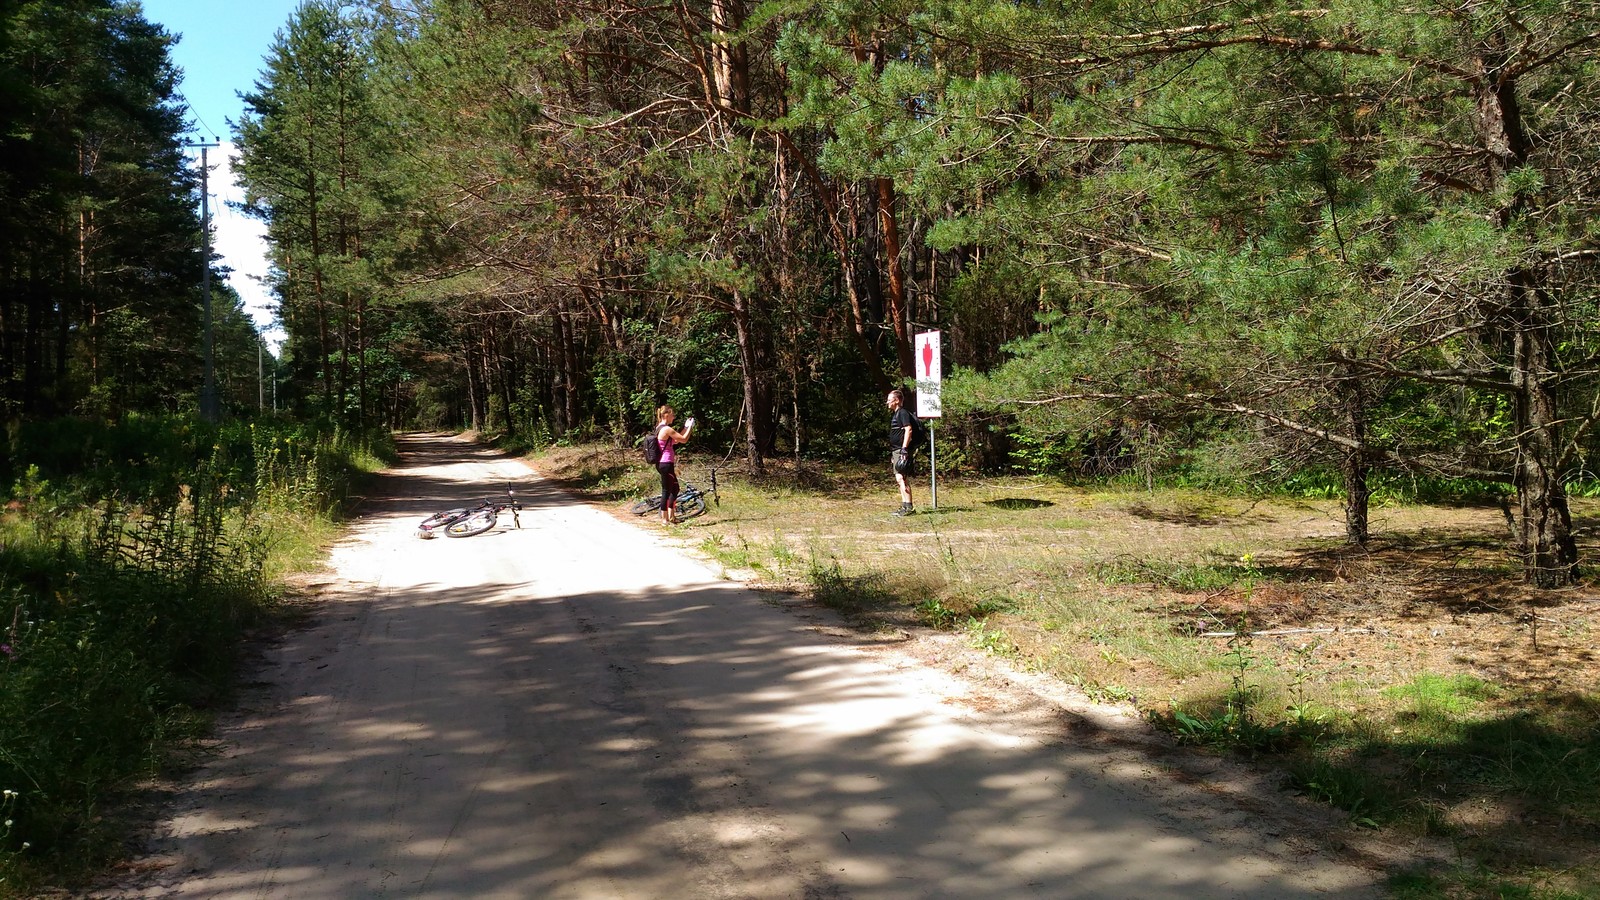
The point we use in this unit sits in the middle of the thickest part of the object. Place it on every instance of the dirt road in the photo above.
(580, 709)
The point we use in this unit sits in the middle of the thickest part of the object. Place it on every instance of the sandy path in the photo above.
(580, 710)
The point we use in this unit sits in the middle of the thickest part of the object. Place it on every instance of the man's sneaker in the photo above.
(904, 510)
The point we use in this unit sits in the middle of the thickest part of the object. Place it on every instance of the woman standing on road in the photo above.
(670, 438)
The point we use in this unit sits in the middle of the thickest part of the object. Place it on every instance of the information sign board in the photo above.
(928, 375)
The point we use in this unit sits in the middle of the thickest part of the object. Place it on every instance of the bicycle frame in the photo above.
(688, 493)
(450, 521)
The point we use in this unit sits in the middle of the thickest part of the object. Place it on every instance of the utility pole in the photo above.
(277, 352)
(208, 388)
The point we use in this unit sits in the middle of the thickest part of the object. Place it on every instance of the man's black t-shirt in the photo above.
(897, 427)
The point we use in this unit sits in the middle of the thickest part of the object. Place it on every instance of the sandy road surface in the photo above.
(580, 710)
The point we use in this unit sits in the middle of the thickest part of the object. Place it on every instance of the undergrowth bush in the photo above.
(145, 458)
(132, 566)
(1389, 488)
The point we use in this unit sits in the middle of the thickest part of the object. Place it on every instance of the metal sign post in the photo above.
(929, 376)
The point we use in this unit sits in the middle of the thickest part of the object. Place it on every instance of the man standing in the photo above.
(900, 430)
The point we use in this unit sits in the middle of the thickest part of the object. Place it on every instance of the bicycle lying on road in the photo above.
(467, 521)
(691, 500)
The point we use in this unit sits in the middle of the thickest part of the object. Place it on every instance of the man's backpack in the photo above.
(652, 448)
(919, 434)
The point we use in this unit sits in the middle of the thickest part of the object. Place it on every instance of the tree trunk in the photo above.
(1549, 550)
(504, 380)
(486, 377)
(843, 248)
(569, 360)
(362, 410)
(1544, 523)
(895, 302)
(474, 392)
(560, 407)
(342, 381)
(1353, 465)
(614, 344)
(314, 223)
(751, 371)
(730, 61)
(33, 350)
(858, 323)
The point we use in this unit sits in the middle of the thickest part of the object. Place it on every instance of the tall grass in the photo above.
(136, 558)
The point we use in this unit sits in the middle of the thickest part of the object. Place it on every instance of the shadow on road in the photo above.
(576, 710)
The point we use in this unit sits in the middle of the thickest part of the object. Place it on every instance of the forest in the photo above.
(148, 522)
(102, 262)
(1344, 250)
(1240, 243)
(1229, 242)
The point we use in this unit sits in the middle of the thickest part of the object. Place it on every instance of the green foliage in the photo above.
(1475, 883)
(135, 564)
(1269, 243)
(1350, 788)
(936, 614)
(148, 458)
(990, 640)
(1440, 697)
(100, 244)
(1450, 735)
(849, 594)
(1184, 576)
(1392, 488)
(1038, 454)
(122, 625)
(323, 167)
(1240, 239)
(1233, 723)
(1581, 483)
(948, 613)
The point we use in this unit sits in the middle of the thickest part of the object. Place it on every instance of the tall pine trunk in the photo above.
(895, 302)
(757, 393)
(1544, 523)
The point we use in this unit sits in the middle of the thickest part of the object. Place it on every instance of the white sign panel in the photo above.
(928, 375)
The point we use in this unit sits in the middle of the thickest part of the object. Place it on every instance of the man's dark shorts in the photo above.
(902, 463)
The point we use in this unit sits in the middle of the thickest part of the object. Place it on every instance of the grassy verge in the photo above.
(123, 615)
(1414, 684)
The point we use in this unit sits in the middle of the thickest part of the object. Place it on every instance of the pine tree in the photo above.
(100, 251)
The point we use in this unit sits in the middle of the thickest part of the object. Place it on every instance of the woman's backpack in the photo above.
(652, 448)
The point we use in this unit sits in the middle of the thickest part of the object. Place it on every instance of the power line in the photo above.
(206, 126)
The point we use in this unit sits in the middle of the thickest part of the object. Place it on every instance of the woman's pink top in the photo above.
(669, 447)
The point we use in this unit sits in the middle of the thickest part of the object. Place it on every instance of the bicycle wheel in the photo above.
(691, 506)
(477, 523)
(648, 504)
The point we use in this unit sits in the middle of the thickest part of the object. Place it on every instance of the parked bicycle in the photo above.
(691, 500)
(467, 521)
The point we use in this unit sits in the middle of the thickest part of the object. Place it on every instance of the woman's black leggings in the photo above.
(669, 483)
